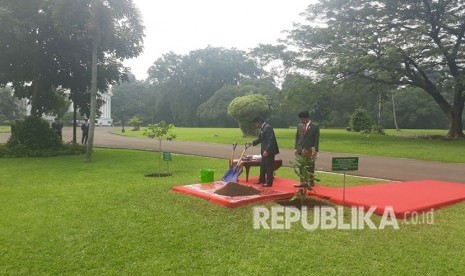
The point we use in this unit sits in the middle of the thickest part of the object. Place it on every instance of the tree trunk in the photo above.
(456, 111)
(394, 111)
(380, 101)
(453, 112)
(93, 91)
(74, 122)
(35, 99)
(456, 125)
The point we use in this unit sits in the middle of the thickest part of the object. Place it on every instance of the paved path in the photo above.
(369, 166)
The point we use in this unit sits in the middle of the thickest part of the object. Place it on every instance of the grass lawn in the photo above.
(5, 129)
(63, 216)
(402, 144)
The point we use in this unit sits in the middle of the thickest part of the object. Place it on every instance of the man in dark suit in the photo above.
(269, 149)
(85, 131)
(57, 127)
(307, 138)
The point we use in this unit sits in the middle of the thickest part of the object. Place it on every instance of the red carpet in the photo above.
(403, 197)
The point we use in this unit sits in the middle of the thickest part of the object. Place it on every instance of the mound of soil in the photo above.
(236, 189)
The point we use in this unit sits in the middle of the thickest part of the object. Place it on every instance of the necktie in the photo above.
(305, 128)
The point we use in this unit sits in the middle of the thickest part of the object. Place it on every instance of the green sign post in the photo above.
(344, 164)
(167, 157)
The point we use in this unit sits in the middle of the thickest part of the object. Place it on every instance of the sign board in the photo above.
(345, 164)
(167, 156)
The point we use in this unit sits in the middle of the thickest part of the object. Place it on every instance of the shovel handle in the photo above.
(242, 155)
(231, 161)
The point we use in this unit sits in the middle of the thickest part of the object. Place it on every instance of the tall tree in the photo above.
(116, 32)
(215, 110)
(186, 81)
(46, 45)
(134, 99)
(28, 56)
(116, 29)
(417, 43)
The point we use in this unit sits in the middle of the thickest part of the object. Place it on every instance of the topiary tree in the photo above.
(360, 120)
(244, 109)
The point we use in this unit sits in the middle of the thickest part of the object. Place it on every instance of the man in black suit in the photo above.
(85, 131)
(269, 149)
(307, 138)
(57, 127)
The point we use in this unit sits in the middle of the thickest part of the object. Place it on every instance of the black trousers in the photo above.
(267, 169)
(84, 138)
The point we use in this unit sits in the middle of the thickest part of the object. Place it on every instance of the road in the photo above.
(398, 169)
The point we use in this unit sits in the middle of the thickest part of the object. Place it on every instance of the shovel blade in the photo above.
(231, 175)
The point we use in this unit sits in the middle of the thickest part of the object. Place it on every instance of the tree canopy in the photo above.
(215, 110)
(187, 81)
(134, 99)
(403, 43)
(63, 43)
(47, 44)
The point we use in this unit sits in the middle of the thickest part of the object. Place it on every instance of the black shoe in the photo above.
(267, 185)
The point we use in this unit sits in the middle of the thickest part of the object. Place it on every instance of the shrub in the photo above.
(360, 120)
(378, 129)
(135, 122)
(34, 137)
(33, 133)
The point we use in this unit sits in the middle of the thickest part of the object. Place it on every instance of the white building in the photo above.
(105, 111)
(105, 119)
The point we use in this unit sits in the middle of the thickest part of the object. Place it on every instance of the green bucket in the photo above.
(207, 175)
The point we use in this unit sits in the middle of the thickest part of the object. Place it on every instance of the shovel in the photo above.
(231, 161)
(235, 170)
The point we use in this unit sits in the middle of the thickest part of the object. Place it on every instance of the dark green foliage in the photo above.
(426, 113)
(34, 137)
(134, 99)
(187, 81)
(215, 110)
(360, 120)
(378, 129)
(397, 43)
(34, 134)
